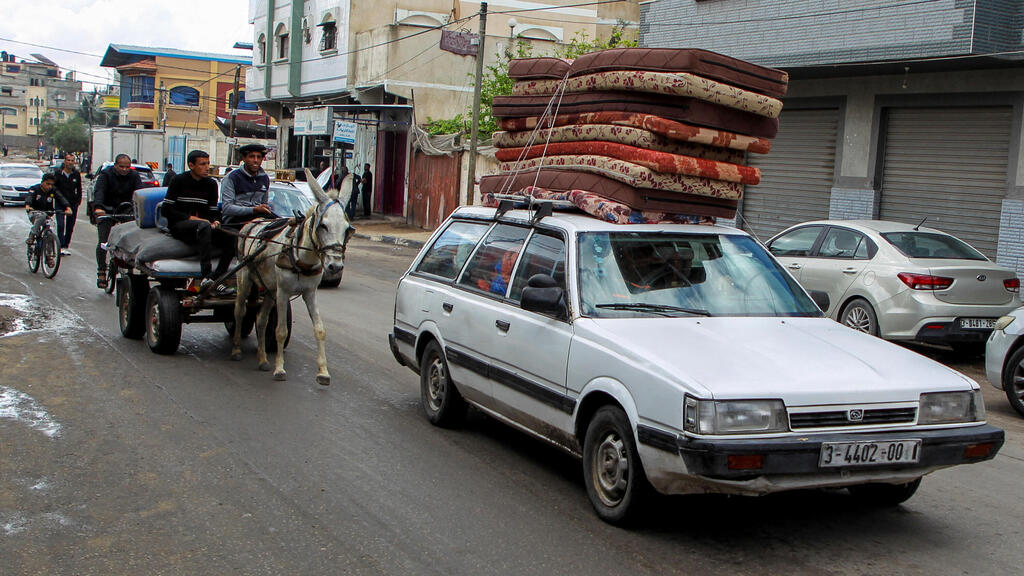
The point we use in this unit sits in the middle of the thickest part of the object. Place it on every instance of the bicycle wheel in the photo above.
(111, 274)
(32, 252)
(51, 253)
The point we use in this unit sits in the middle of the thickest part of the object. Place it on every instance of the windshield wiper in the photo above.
(655, 308)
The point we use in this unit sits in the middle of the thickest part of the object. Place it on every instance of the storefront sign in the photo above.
(312, 121)
(345, 132)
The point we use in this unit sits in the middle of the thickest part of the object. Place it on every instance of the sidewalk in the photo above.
(391, 230)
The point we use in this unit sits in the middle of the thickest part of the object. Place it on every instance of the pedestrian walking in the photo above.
(169, 175)
(366, 183)
(5, 150)
(68, 181)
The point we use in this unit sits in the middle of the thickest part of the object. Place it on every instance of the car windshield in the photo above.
(625, 274)
(914, 244)
(21, 173)
(286, 200)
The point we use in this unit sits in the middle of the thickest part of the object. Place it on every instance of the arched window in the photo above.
(261, 48)
(328, 33)
(184, 96)
(282, 41)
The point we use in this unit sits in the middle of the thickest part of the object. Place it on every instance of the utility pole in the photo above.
(476, 104)
(163, 124)
(234, 115)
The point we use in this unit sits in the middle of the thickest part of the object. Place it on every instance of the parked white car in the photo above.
(15, 181)
(900, 281)
(673, 357)
(1004, 358)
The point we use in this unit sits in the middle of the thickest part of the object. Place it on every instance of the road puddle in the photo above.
(20, 407)
(20, 313)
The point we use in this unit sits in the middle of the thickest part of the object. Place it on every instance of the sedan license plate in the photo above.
(978, 323)
(872, 453)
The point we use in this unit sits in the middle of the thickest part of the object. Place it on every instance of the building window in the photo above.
(15, 126)
(261, 49)
(13, 69)
(282, 41)
(242, 104)
(140, 89)
(6, 91)
(33, 81)
(328, 36)
(184, 96)
(60, 115)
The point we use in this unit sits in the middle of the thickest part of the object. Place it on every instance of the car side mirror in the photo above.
(820, 298)
(542, 294)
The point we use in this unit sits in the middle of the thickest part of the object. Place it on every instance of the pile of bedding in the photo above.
(657, 134)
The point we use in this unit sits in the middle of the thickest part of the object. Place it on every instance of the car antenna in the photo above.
(917, 228)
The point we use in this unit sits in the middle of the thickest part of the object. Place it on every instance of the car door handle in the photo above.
(850, 270)
(795, 266)
(502, 325)
(447, 306)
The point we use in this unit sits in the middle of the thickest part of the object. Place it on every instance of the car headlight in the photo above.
(1003, 322)
(951, 407)
(8, 188)
(734, 416)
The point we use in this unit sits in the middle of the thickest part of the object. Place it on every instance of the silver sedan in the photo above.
(1004, 358)
(899, 281)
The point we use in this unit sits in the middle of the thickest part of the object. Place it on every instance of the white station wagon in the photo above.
(674, 357)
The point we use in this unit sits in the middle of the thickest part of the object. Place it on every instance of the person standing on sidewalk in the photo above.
(366, 182)
(169, 175)
(68, 181)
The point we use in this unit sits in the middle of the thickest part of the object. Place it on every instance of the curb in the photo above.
(396, 240)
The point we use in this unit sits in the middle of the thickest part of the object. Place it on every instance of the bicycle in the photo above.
(45, 247)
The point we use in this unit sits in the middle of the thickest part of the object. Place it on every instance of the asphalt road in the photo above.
(114, 460)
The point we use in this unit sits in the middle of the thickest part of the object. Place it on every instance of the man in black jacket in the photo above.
(366, 182)
(169, 175)
(44, 196)
(69, 183)
(114, 186)
(192, 215)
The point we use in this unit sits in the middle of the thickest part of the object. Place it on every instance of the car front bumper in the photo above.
(997, 349)
(677, 464)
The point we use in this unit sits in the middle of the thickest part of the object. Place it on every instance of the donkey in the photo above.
(290, 262)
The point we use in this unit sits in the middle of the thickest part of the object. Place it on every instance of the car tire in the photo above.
(441, 400)
(1013, 380)
(616, 482)
(860, 316)
(884, 495)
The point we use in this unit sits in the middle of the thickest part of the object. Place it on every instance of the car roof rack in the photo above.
(541, 208)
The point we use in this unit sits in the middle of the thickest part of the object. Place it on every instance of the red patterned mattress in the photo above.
(662, 162)
(661, 126)
(700, 62)
(637, 198)
(679, 109)
(621, 134)
(608, 210)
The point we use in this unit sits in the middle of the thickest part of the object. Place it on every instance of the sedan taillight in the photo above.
(925, 281)
(1012, 285)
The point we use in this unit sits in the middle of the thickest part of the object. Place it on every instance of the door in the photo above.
(433, 188)
(796, 176)
(389, 178)
(794, 248)
(840, 259)
(949, 165)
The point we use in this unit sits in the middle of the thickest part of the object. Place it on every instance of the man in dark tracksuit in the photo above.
(114, 186)
(69, 183)
(245, 191)
(193, 217)
(366, 182)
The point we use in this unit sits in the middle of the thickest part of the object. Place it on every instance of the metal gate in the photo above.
(433, 188)
(796, 176)
(176, 146)
(950, 165)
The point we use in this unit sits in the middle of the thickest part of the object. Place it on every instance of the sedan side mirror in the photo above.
(820, 298)
(542, 294)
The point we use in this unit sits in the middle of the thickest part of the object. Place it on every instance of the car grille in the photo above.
(839, 418)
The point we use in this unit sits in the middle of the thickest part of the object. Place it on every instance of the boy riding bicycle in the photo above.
(43, 197)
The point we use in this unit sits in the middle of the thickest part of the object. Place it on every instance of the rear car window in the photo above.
(451, 249)
(913, 244)
(491, 267)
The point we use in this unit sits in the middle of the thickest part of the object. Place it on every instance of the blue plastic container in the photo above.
(145, 201)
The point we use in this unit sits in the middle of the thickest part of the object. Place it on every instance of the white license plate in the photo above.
(988, 323)
(834, 454)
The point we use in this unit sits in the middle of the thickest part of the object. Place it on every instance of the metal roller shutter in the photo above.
(796, 176)
(949, 164)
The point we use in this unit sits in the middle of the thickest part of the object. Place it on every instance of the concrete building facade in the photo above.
(32, 92)
(899, 110)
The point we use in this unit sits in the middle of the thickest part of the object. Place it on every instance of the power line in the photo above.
(521, 10)
(791, 17)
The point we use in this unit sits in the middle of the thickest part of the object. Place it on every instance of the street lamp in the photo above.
(512, 23)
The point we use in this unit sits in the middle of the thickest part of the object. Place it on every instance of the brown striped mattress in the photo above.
(607, 210)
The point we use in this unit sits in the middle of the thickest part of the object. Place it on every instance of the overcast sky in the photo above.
(90, 25)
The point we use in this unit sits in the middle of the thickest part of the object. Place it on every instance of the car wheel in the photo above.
(1013, 381)
(884, 495)
(441, 400)
(615, 478)
(859, 315)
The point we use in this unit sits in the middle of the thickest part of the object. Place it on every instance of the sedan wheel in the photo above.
(612, 471)
(1013, 381)
(859, 315)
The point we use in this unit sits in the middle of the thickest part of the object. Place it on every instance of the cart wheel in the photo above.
(51, 253)
(163, 320)
(132, 290)
(271, 337)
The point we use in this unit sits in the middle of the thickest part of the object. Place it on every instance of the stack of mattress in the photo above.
(636, 134)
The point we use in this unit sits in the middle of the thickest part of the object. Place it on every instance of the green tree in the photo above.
(72, 136)
(496, 81)
(89, 111)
